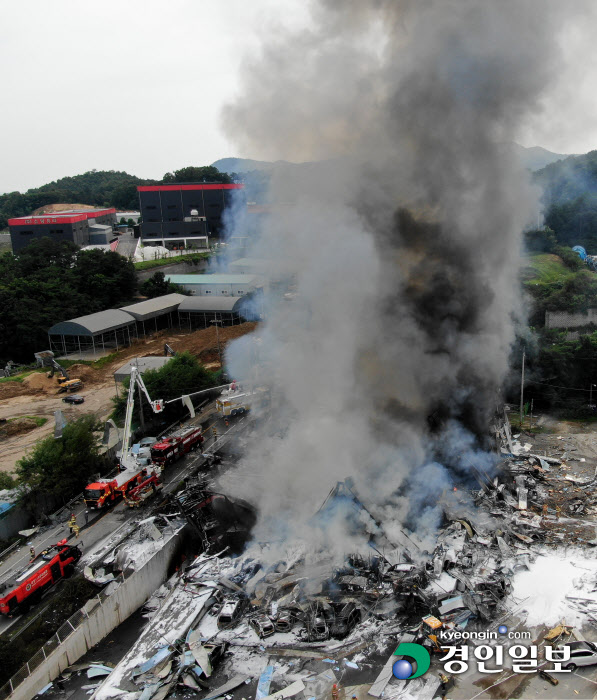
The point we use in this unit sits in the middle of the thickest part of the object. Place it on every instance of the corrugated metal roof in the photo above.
(93, 324)
(213, 279)
(208, 304)
(151, 308)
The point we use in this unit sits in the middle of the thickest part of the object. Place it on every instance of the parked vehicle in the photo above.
(581, 654)
(231, 612)
(26, 587)
(284, 621)
(263, 626)
(75, 398)
(316, 628)
(347, 617)
(176, 445)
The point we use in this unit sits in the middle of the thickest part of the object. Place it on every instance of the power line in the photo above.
(556, 386)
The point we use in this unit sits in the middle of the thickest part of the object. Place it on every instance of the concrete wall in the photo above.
(564, 319)
(14, 520)
(101, 620)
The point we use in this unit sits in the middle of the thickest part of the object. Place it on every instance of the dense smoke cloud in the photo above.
(404, 239)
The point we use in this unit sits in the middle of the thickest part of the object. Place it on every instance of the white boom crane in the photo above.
(127, 460)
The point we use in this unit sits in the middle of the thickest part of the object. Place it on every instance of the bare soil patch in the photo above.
(17, 427)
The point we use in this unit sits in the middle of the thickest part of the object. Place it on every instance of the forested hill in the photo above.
(102, 188)
(570, 196)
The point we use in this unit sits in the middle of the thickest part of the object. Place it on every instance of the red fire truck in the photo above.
(176, 445)
(26, 587)
(105, 491)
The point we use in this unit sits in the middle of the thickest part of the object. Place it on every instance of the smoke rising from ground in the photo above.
(404, 239)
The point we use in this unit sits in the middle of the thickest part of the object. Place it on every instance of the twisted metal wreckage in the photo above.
(218, 605)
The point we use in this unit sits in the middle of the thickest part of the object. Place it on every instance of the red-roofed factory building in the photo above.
(83, 227)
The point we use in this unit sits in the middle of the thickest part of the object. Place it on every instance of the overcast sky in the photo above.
(138, 85)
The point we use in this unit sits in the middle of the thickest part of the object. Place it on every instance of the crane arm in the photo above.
(157, 407)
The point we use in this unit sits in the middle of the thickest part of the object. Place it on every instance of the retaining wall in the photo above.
(91, 624)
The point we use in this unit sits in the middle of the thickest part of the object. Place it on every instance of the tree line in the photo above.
(51, 281)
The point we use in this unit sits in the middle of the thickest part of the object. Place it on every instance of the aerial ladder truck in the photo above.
(134, 479)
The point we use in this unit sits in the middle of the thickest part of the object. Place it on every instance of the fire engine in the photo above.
(176, 445)
(105, 491)
(235, 400)
(140, 493)
(26, 587)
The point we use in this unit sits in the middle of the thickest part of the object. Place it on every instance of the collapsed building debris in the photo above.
(246, 613)
(221, 522)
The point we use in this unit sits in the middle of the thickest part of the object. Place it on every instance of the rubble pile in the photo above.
(245, 614)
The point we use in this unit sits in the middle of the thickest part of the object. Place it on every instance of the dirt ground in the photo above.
(37, 394)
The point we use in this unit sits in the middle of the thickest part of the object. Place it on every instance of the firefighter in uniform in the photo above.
(32, 552)
(444, 681)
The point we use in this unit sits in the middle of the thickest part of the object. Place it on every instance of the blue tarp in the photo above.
(264, 683)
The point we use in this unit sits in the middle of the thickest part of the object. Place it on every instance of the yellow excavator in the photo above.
(65, 383)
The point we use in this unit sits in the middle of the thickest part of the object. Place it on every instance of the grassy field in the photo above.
(545, 268)
(38, 420)
(160, 262)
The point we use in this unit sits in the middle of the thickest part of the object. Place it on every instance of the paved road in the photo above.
(126, 245)
(102, 524)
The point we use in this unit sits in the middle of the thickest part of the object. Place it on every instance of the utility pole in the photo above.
(217, 325)
(522, 388)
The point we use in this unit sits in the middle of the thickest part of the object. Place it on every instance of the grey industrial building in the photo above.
(218, 284)
(82, 227)
(185, 215)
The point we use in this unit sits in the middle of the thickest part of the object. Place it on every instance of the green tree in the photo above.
(183, 374)
(51, 281)
(6, 481)
(130, 223)
(122, 220)
(206, 173)
(157, 285)
(58, 469)
(541, 240)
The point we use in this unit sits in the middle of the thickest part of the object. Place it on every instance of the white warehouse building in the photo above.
(218, 285)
